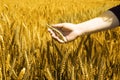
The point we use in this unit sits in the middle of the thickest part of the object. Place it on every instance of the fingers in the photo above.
(58, 25)
(65, 29)
(56, 37)
(67, 38)
(50, 31)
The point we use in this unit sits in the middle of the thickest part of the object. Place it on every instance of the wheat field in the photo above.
(27, 51)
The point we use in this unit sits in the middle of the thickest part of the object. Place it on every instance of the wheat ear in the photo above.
(57, 32)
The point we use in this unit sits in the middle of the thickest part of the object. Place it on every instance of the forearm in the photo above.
(105, 21)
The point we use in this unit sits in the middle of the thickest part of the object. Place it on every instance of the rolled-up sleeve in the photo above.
(116, 11)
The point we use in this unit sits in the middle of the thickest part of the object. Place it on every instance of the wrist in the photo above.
(81, 29)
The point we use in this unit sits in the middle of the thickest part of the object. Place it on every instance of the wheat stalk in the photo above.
(0, 74)
(63, 63)
(27, 61)
(21, 74)
(2, 46)
(48, 74)
(8, 63)
(73, 74)
(1, 30)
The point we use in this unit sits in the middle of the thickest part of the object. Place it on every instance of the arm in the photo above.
(107, 20)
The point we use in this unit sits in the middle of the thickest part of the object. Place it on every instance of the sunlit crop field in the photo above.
(27, 51)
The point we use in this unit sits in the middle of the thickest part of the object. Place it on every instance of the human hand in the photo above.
(70, 31)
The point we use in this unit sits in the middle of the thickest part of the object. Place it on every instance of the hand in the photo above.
(69, 31)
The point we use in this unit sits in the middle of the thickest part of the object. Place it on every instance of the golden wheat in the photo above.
(25, 41)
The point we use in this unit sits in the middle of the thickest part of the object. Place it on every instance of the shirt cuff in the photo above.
(116, 11)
